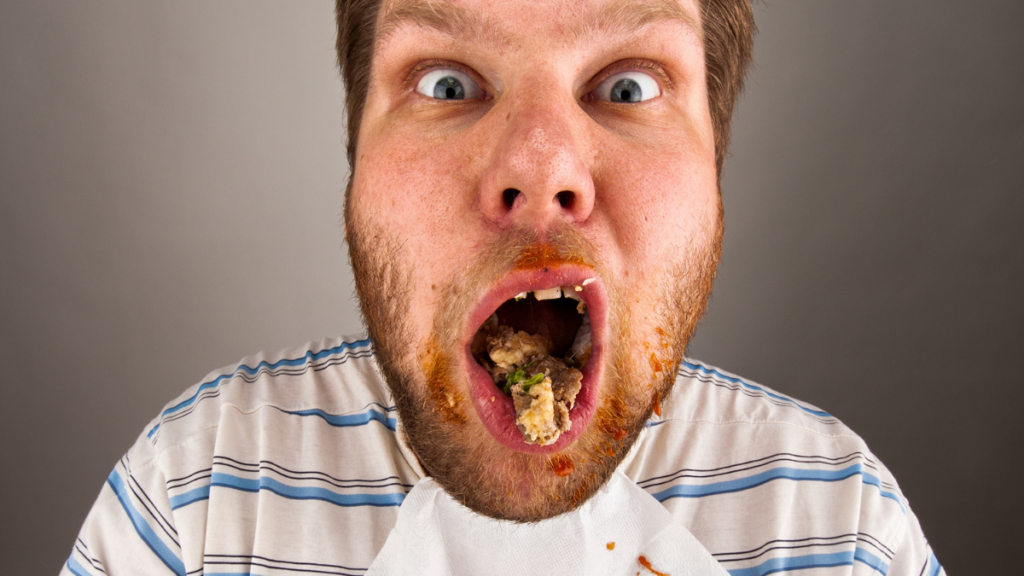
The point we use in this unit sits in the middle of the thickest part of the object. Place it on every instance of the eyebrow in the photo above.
(442, 16)
(631, 15)
(623, 16)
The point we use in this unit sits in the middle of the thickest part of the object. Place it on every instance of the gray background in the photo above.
(170, 191)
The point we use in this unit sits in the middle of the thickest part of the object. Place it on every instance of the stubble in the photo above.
(431, 395)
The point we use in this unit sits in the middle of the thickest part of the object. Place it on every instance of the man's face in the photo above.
(507, 147)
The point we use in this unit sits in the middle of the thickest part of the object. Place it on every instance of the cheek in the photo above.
(657, 200)
(414, 183)
(423, 192)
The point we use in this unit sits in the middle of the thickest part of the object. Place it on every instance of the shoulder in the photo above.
(329, 379)
(709, 394)
(319, 411)
(305, 438)
(745, 467)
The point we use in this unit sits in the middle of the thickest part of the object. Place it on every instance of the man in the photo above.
(534, 222)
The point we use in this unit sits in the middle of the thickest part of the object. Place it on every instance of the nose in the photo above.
(537, 173)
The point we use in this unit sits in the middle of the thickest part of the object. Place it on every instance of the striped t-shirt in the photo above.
(292, 463)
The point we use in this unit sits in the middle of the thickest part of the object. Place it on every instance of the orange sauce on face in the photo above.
(657, 404)
(643, 562)
(443, 395)
(544, 256)
(611, 419)
(655, 363)
(562, 465)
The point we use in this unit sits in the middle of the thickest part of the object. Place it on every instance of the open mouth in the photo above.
(534, 357)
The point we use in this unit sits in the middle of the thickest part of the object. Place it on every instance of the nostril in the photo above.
(509, 196)
(565, 198)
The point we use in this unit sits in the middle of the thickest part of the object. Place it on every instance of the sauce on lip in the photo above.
(562, 465)
(643, 562)
(545, 256)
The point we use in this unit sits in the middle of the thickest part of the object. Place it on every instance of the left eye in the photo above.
(448, 84)
(628, 87)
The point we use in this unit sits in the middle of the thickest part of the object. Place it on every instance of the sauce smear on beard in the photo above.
(562, 465)
(445, 398)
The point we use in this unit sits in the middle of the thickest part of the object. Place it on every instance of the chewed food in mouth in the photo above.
(533, 347)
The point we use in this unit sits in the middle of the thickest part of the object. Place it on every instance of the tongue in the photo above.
(559, 319)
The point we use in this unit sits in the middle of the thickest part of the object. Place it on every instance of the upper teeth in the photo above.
(556, 292)
(549, 294)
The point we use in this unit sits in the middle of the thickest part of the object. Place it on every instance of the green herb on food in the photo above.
(515, 377)
(535, 379)
(519, 375)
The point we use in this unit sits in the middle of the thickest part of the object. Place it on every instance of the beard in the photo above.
(431, 391)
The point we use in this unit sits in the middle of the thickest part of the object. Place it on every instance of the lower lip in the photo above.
(496, 409)
(499, 414)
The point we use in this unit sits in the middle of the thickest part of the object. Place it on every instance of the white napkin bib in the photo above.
(435, 536)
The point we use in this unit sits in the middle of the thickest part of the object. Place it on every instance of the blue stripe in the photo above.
(796, 563)
(934, 562)
(865, 557)
(724, 487)
(740, 484)
(745, 384)
(871, 480)
(307, 358)
(143, 528)
(296, 493)
(349, 420)
(194, 495)
(75, 567)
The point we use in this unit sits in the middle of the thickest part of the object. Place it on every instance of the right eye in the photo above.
(447, 84)
(628, 87)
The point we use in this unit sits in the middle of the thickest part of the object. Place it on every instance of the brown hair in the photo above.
(728, 46)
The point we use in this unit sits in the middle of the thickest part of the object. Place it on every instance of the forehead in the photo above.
(503, 22)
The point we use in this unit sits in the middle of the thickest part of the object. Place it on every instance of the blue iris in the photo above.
(449, 88)
(626, 90)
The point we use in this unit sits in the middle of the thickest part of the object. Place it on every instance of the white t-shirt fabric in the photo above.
(292, 463)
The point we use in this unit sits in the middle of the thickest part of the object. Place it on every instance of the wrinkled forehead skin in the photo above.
(499, 21)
